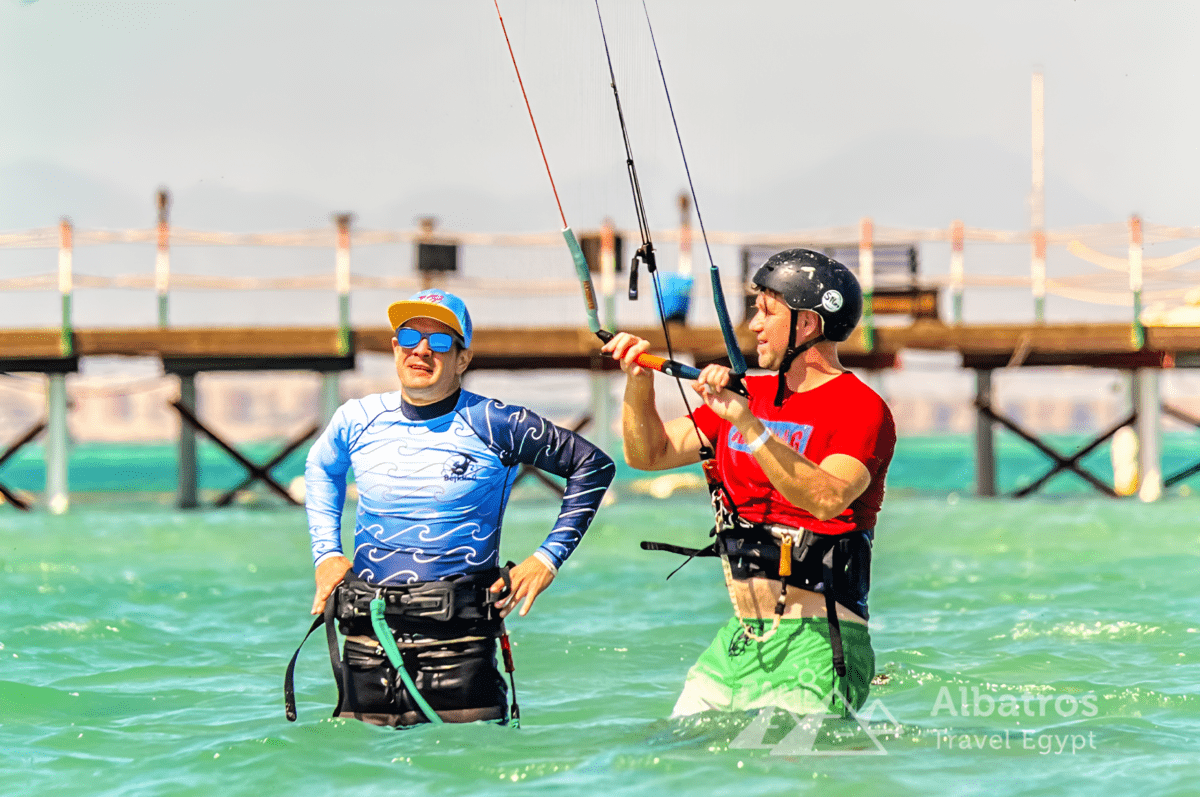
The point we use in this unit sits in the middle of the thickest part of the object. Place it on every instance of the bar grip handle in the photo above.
(673, 368)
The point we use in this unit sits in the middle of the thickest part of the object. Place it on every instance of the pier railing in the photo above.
(1105, 264)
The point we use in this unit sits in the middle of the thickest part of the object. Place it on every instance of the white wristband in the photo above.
(544, 559)
(759, 441)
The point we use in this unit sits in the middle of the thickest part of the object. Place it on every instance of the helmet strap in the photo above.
(789, 356)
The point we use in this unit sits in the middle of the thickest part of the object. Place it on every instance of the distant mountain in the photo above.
(205, 206)
(465, 209)
(913, 180)
(907, 181)
(36, 195)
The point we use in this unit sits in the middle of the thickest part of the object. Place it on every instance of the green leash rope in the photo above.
(384, 634)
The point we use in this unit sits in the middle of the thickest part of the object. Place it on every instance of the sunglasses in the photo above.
(410, 338)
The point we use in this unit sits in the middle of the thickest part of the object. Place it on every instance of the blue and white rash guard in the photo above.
(432, 490)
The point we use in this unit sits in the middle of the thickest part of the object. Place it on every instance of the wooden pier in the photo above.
(185, 352)
(884, 259)
(981, 346)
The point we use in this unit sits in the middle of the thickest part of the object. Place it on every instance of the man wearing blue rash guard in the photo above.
(434, 465)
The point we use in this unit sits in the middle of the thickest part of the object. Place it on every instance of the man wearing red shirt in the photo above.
(800, 467)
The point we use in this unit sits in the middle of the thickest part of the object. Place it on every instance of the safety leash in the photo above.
(514, 711)
(384, 634)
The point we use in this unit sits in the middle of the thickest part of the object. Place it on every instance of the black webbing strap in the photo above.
(828, 567)
(789, 356)
(709, 550)
(690, 553)
(341, 675)
(831, 562)
(506, 577)
(335, 660)
(514, 710)
(289, 691)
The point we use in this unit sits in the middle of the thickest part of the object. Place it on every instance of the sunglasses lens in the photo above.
(410, 338)
(440, 342)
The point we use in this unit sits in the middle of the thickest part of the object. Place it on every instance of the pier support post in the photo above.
(162, 258)
(330, 398)
(57, 494)
(985, 449)
(189, 471)
(866, 276)
(1148, 406)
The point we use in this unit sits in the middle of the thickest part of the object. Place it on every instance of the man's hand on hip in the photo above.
(329, 574)
(529, 579)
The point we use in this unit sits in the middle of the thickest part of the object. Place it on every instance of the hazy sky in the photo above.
(794, 114)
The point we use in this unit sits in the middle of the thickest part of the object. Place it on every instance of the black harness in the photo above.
(437, 610)
(837, 566)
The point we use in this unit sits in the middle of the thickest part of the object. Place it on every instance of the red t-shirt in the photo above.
(842, 416)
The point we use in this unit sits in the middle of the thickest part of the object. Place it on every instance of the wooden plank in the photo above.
(210, 342)
(1059, 338)
(1114, 360)
(1173, 339)
(563, 347)
(1004, 339)
(916, 302)
(703, 343)
(30, 344)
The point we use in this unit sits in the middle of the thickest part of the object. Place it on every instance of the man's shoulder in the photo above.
(369, 406)
(857, 396)
(474, 403)
(376, 401)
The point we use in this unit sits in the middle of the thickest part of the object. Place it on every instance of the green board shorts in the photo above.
(792, 670)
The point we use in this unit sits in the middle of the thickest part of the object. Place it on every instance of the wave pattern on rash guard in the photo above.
(432, 493)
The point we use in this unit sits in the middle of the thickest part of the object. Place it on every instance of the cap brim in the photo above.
(400, 312)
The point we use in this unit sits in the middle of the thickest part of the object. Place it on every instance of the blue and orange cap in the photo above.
(438, 305)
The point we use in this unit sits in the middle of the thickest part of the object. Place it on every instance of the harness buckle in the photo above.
(431, 601)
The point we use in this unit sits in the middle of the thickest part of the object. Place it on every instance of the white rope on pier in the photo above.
(1114, 233)
(34, 282)
(1159, 233)
(319, 282)
(46, 237)
(96, 237)
(1121, 264)
(1106, 287)
(1113, 298)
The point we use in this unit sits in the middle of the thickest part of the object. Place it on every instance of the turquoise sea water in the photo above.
(936, 465)
(143, 652)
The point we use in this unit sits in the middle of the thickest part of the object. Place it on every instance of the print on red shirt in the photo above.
(794, 434)
(842, 416)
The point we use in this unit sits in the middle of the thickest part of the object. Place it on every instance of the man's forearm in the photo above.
(801, 481)
(642, 429)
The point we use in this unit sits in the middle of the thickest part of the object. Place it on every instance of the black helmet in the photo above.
(808, 280)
